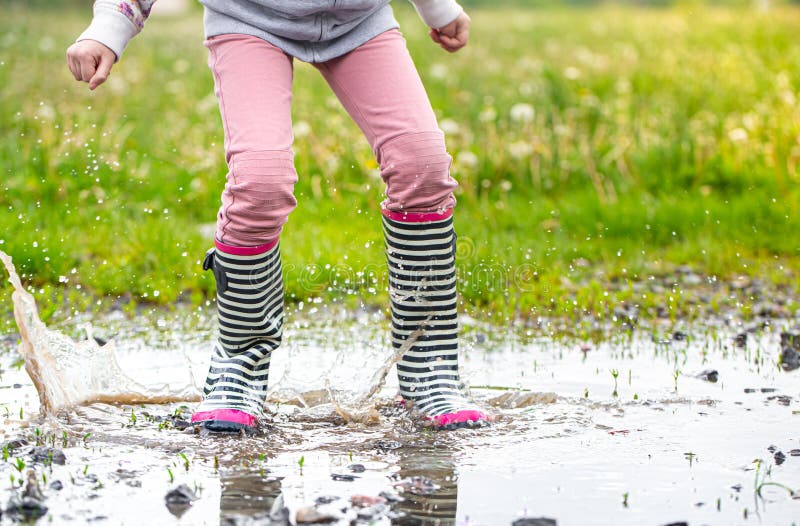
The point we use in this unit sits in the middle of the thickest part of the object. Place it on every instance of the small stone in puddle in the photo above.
(387, 445)
(325, 499)
(679, 523)
(780, 458)
(790, 351)
(26, 509)
(49, 454)
(794, 452)
(679, 336)
(30, 505)
(17, 443)
(343, 477)
(57, 485)
(179, 499)
(363, 501)
(391, 497)
(310, 515)
(179, 423)
(740, 340)
(537, 521)
(417, 485)
(772, 449)
(709, 375)
(781, 399)
(182, 494)
(357, 468)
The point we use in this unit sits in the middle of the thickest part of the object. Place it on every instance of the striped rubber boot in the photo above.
(250, 314)
(420, 249)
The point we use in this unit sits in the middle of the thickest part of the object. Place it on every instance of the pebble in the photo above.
(49, 454)
(538, 521)
(709, 375)
(179, 499)
(781, 399)
(363, 501)
(26, 508)
(392, 497)
(182, 494)
(790, 351)
(17, 443)
(310, 515)
(387, 445)
(30, 505)
(417, 485)
(343, 477)
(680, 336)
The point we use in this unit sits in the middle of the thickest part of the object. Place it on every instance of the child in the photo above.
(357, 47)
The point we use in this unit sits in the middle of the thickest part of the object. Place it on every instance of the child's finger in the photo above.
(435, 36)
(451, 43)
(88, 67)
(74, 67)
(103, 69)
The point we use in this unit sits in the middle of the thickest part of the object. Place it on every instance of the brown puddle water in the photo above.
(668, 447)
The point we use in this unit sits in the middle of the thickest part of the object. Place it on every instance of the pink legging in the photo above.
(379, 87)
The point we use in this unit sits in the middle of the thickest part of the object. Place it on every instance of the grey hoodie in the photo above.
(311, 30)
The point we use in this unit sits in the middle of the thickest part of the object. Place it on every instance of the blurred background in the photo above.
(599, 145)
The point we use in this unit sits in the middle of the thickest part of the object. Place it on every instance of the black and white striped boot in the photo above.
(250, 315)
(420, 249)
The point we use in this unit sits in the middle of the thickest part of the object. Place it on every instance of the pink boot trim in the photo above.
(467, 415)
(245, 251)
(234, 416)
(417, 217)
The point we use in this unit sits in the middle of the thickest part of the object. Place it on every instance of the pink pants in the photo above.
(379, 87)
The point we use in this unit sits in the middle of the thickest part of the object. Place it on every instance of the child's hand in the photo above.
(90, 61)
(454, 35)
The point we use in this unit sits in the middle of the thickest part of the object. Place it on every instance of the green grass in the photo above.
(595, 147)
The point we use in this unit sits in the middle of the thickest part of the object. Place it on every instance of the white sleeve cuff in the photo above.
(437, 13)
(111, 28)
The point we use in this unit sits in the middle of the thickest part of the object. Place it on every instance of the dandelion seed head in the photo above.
(522, 112)
(467, 159)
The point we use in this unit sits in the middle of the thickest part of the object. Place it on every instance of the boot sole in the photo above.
(221, 427)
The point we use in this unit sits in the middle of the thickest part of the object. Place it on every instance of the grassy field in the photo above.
(595, 147)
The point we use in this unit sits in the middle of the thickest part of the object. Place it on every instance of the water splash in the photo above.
(67, 373)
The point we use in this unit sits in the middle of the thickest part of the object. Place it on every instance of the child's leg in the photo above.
(380, 87)
(253, 82)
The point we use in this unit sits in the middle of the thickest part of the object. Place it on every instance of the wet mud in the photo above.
(641, 427)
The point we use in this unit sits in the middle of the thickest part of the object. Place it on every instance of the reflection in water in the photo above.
(246, 495)
(428, 508)
(422, 475)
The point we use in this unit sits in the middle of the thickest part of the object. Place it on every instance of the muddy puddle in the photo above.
(651, 426)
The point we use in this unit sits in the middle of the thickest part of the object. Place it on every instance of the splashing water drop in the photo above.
(67, 373)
